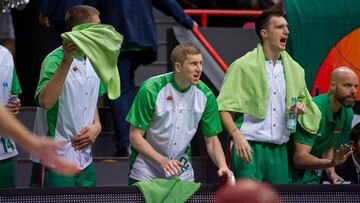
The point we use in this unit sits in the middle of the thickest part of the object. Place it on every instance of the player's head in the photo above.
(81, 14)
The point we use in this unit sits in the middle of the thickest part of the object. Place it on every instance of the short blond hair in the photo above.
(79, 14)
(180, 52)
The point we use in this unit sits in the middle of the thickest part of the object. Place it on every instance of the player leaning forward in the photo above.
(165, 116)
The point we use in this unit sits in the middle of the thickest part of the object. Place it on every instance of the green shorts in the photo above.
(86, 178)
(269, 163)
(7, 173)
(302, 176)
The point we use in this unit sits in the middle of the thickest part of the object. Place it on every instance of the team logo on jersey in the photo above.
(75, 69)
(169, 98)
(337, 130)
(5, 85)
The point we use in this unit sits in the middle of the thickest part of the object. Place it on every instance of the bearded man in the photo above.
(314, 152)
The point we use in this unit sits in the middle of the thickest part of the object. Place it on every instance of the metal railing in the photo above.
(204, 14)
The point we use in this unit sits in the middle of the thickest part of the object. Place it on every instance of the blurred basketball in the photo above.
(247, 191)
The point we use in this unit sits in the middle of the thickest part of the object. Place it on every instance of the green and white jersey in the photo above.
(74, 109)
(9, 86)
(170, 118)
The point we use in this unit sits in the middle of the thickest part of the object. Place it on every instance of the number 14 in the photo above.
(7, 145)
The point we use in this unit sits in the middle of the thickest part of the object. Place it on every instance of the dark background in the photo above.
(33, 43)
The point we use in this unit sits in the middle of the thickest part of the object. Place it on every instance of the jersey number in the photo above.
(185, 164)
(7, 145)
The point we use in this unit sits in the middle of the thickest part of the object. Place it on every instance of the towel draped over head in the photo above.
(100, 43)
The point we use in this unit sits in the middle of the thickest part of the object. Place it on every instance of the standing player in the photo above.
(10, 88)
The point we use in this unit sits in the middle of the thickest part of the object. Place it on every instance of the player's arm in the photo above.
(216, 154)
(303, 159)
(171, 167)
(44, 148)
(87, 136)
(242, 146)
(51, 91)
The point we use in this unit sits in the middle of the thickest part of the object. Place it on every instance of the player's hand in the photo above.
(13, 104)
(242, 146)
(45, 149)
(227, 173)
(86, 136)
(69, 50)
(341, 155)
(298, 109)
(335, 178)
(171, 167)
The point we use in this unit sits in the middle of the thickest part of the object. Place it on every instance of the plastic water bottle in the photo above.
(291, 117)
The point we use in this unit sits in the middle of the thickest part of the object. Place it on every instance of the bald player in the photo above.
(314, 152)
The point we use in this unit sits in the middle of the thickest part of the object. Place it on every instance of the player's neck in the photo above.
(335, 104)
(181, 83)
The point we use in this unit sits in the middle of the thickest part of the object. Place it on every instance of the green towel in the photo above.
(101, 44)
(245, 88)
(167, 190)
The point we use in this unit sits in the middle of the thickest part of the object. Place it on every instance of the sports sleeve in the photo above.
(172, 8)
(15, 84)
(101, 88)
(303, 137)
(48, 68)
(142, 109)
(210, 122)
